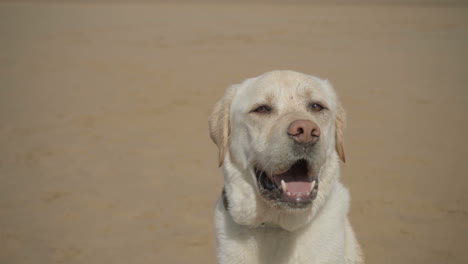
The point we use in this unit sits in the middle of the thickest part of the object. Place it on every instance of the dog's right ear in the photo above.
(219, 123)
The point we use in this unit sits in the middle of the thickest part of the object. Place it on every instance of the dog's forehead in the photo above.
(282, 86)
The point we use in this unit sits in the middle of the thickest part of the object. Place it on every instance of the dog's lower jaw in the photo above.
(247, 208)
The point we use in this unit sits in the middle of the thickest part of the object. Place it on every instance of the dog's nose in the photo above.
(304, 131)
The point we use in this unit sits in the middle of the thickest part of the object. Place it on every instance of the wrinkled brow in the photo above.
(268, 98)
(308, 93)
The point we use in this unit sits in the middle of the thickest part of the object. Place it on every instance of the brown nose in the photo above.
(304, 131)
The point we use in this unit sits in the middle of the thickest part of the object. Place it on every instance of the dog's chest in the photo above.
(277, 246)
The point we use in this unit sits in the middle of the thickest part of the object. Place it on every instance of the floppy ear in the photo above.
(340, 121)
(219, 123)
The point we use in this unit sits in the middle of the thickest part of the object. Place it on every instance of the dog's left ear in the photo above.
(340, 121)
(219, 123)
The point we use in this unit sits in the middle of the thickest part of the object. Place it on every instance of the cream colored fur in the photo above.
(252, 229)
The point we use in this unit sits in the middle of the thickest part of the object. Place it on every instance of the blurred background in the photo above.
(104, 148)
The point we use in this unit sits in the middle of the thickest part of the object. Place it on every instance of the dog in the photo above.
(280, 141)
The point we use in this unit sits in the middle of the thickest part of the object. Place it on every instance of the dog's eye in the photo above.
(263, 109)
(316, 107)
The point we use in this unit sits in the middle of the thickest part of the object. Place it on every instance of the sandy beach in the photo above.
(104, 149)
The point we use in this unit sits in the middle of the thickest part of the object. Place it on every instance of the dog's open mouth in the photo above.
(296, 187)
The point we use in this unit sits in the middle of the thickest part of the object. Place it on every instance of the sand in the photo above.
(104, 148)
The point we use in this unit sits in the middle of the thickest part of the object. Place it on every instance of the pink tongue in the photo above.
(297, 187)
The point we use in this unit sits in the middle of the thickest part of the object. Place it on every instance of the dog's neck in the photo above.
(244, 204)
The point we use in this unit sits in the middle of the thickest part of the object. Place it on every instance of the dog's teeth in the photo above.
(283, 185)
(312, 186)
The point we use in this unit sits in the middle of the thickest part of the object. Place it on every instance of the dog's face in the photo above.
(280, 128)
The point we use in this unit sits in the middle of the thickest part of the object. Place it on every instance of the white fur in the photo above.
(252, 230)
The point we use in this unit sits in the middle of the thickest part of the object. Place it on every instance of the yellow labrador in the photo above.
(280, 140)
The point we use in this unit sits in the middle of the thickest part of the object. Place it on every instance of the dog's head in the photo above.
(279, 129)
